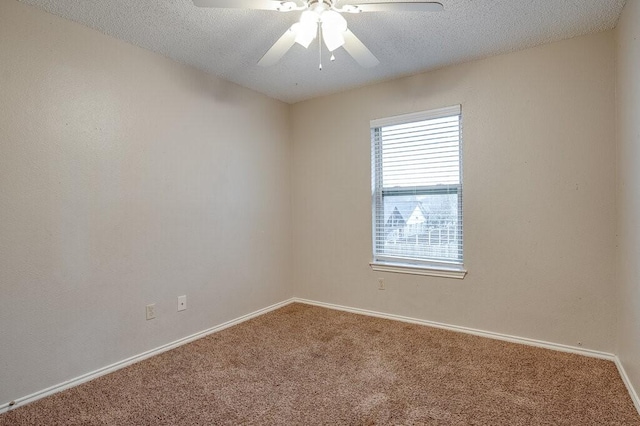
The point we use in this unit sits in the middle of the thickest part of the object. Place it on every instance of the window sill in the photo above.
(443, 272)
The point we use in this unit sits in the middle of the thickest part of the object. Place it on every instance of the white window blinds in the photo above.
(417, 188)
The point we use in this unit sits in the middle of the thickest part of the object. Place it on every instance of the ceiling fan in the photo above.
(322, 19)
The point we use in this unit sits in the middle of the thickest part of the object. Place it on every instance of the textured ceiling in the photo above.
(229, 42)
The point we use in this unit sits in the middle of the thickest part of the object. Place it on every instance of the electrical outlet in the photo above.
(151, 311)
(381, 284)
(182, 303)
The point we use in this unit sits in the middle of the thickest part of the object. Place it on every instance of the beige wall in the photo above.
(628, 267)
(539, 185)
(127, 179)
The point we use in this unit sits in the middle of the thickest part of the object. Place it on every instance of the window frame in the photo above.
(408, 265)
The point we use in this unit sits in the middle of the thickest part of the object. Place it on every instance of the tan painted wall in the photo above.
(539, 186)
(628, 267)
(127, 179)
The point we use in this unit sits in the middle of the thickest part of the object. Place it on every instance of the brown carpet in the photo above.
(304, 365)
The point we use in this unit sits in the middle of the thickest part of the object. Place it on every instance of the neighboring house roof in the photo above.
(401, 213)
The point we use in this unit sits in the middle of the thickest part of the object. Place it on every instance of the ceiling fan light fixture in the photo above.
(309, 17)
(333, 27)
(332, 19)
(305, 33)
(332, 38)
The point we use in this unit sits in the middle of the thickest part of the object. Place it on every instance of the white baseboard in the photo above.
(498, 336)
(136, 358)
(491, 335)
(467, 330)
(628, 384)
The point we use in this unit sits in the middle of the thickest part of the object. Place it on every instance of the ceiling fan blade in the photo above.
(359, 51)
(239, 4)
(278, 49)
(406, 6)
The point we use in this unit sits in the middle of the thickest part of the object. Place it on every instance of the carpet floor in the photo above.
(305, 365)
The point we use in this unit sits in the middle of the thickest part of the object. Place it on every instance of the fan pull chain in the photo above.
(320, 46)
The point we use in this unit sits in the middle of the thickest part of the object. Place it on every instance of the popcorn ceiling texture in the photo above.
(304, 365)
(229, 42)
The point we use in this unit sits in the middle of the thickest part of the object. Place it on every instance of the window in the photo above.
(417, 193)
